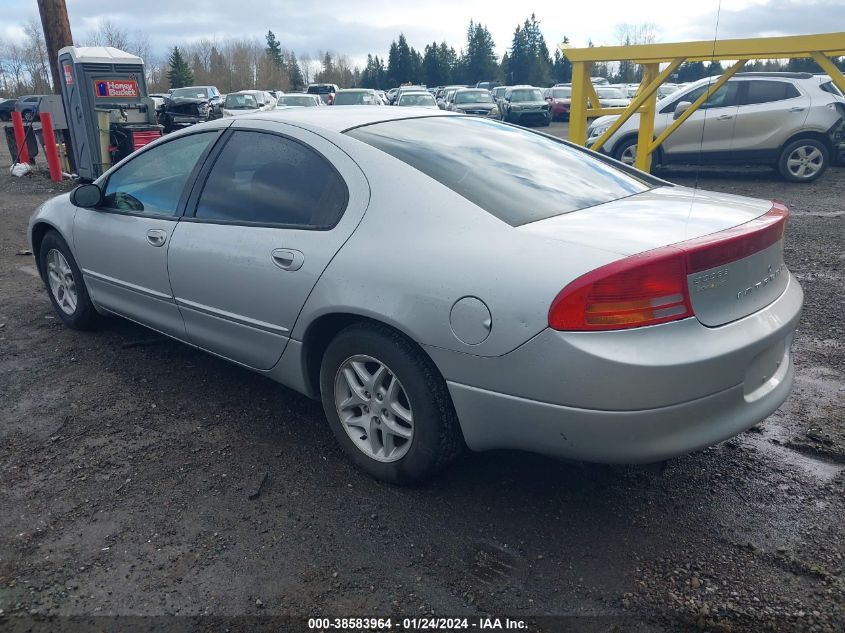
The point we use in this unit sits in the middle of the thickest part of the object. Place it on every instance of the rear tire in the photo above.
(360, 411)
(65, 284)
(803, 160)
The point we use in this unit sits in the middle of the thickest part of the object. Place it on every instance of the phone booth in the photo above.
(108, 112)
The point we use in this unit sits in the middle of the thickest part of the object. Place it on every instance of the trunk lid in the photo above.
(733, 245)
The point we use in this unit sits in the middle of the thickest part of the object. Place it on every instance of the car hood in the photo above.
(658, 217)
(182, 100)
(529, 103)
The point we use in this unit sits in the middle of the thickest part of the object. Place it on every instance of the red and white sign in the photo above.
(68, 74)
(115, 88)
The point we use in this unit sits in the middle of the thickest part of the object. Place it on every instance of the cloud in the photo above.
(356, 28)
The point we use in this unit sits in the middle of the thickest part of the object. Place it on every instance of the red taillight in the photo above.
(651, 287)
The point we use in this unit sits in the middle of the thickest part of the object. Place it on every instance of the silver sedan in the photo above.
(441, 282)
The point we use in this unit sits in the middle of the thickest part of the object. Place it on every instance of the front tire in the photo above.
(65, 284)
(387, 405)
(803, 160)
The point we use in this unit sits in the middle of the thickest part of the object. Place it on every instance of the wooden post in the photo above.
(57, 35)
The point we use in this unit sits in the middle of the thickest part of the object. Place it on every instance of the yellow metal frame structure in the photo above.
(585, 103)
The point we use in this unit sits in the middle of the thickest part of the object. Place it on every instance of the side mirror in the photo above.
(680, 108)
(88, 196)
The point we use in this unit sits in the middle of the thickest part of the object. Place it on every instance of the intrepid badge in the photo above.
(773, 273)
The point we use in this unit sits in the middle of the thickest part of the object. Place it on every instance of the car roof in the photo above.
(342, 119)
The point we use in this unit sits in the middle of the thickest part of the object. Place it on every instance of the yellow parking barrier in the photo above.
(585, 103)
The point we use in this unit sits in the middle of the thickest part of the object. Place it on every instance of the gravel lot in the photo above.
(131, 473)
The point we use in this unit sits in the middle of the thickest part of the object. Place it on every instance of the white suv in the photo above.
(794, 122)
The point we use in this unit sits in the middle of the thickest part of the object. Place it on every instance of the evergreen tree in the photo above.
(449, 59)
(714, 69)
(562, 66)
(393, 65)
(297, 81)
(180, 74)
(627, 68)
(519, 63)
(479, 59)
(274, 49)
(691, 71)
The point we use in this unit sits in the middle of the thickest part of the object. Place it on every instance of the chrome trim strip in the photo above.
(127, 286)
(229, 316)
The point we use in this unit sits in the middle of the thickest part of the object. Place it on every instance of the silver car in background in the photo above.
(440, 281)
(794, 122)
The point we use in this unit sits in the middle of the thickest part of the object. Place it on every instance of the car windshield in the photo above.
(527, 94)
(561, 93)
(296, 100)
(189, 93)
(319, 90)
(517, 175)
(354, 98)
(417, 100)
(609, 93)
(473, 96)
(240, 102)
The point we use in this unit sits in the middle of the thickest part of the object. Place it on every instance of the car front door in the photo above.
(122, 245)
(276, 205)
(709, 130)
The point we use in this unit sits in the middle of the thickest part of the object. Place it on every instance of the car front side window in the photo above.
(153, 182)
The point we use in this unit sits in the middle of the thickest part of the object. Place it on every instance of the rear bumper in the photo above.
(628, 396)
(492, 420)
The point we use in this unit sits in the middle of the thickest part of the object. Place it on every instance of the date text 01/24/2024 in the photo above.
(416, 624)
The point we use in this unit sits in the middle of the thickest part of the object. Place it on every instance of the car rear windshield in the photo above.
(294, 100)
(517, 175)
(189, 93)
(354, 98)
(320, 90)
(473, 96)
(240, 102)
(414, 99)
(561, 93)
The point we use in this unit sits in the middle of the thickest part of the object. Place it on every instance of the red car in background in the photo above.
(559, 98)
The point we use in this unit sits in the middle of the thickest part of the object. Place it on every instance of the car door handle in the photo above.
(156, 237)
(288, 258)
(724, 117)
(796, 109)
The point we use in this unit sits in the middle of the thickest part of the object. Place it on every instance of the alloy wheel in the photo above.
(62, 283)
(373, 408)
(804, 161)
(629, 155)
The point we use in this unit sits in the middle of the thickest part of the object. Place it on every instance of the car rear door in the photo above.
(122, 246)
(769, 112)
(270, 211)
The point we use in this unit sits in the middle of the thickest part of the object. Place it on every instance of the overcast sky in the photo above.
(359, 27)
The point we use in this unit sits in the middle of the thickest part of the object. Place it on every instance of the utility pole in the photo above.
(57, 35)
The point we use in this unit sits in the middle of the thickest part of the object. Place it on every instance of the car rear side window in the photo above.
(829, 86)
(263, 178)
(768, 91)
(517, 175)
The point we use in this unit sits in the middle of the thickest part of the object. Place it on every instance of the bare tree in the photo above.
(645, 33)
(35, 57)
